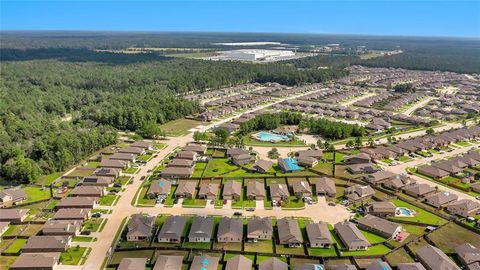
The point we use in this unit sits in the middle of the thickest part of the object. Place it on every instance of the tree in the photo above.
(430, 131)
(371, 142)
(320, 144)
(273, 154)
(150, 130)
(199, 136)
(312, 146)
(350, 144)
(327, 145)
(358, 142)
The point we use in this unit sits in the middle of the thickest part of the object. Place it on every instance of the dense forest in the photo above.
(334, 130)
(57, 106)
(270, 121)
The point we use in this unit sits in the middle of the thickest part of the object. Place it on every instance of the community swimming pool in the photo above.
(271, 137)
(404, 212)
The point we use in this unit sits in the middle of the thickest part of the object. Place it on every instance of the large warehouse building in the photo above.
(255, 55)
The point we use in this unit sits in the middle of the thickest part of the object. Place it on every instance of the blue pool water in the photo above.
(292, 164)
(271, 137)
(405, 211)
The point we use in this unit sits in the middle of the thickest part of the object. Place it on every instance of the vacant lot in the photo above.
(452, 235)
(179, 127)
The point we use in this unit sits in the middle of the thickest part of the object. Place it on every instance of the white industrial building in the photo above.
(255, 55)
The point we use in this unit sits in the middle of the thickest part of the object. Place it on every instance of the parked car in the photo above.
(117, 185)
(332, 204)
(96, 215)
(85, 233)
(142, 178)
(212, 202)
(237, 213)
(250, 209)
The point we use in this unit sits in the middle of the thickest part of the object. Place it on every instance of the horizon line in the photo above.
(243, 32)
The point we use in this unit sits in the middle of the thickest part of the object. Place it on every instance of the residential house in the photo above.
(142, 144)
(14, 216)
(357, 159)
(279, 192)
(190, 155)
(110, 172)
(419, 190)
(272, 264)
(236, 151)
(186, 189)
(344, 267)
(351, 236)
(380, 176)
(434, 259)
(316, 154)
(205, 262)
(177, 172)
(255, 190)
(176, 162)
(12, 196)
(232, 190)
(132, 263)
(172, 229)
(168, 262)
(378, 265)
(230, 230)
(3, 228)
(362, 168)
(381, 209)
(307, 162)
(123, 156)
(440, 199)
(379, 226)
(36, 261)
(77, 202)
(87, 191)
(309, 266)
(259, 229)
(398, 183)
(62, 227)
(201, 230)
(72, 214)
(301, 189)
(242, 159)
(469, 255)
(431, 171)
(46, 244)
(140, 227)
(410, 266)
(96, 180)
(262, 166)
(319, 235)
(448, 166)
(289, 232)
(199, 149)
(287, 164)
(132, 150)
(358, 193)
(324, 186)
(159, 189)
(238, 262)
(114, 163)
(464, 208)
(208, 190)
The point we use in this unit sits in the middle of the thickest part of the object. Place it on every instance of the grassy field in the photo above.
(48, 179)
(108, 199)
(36, 193)
(421, 215)
(399, 256)
(218, 166)
(324, 252)
(179, 127)
(373, 250)
(72, 256)
(452, 235)
(92, 225)
(16, 246)
(196, 245)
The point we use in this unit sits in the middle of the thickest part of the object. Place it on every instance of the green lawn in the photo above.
(72, 256)
(7, 261)
(262, 245)
(373, 238)
(48, 179)
(36, 193)
(196, 245)
(84, 239)
(323, 252)
(293, 202)
(404, 158)
(144, 158)
(218, 166)
(194, 203)
(119, 255)
(92, 225)
(130, 170)
(421, 215)
(108, 199)
(198, 169)
(92, 164)
(16, 246)
(179, 127)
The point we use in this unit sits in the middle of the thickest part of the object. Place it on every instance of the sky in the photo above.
(378, 17)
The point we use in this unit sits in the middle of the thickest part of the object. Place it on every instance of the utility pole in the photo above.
(334, 158)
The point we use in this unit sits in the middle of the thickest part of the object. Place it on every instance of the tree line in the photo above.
(270, 121)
